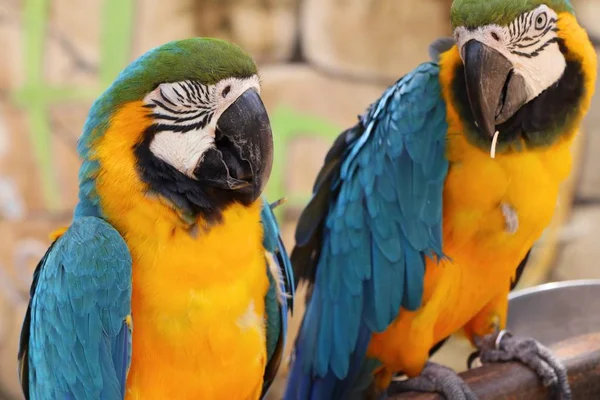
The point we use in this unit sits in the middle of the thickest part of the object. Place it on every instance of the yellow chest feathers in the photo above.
(509, 198)
(218, 271)
(198, 311)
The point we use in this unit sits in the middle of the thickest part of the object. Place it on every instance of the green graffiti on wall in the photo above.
(36, 97)
(288, 124)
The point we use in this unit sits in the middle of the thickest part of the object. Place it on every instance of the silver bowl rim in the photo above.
(552, 286)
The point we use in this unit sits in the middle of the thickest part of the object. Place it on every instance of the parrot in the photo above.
(425, 211)
(171, 235)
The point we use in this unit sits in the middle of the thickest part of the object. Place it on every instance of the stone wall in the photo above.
(322, 63)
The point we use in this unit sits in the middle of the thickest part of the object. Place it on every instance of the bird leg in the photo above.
(435, 378)
(503, 346)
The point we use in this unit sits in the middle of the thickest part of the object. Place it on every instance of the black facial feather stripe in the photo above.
(534, 37)
(549, 27)
(179, 96)
(190, 109)
(189, 96)
(520, 26)
(165, 98)
(183, 128)
(196, 93)
(171, 110)
(529, 44)
(537, 51)
(527, 39)
(528, 22)
(524, 46)
(200, 114)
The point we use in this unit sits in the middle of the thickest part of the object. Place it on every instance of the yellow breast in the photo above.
(198, 309)
(198, 300)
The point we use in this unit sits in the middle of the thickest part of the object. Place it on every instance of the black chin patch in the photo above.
(193, 198)
(213, 163)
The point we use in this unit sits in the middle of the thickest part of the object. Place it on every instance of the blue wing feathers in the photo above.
(273, 244)
(382, 219)
(276, 308)
(77, 342)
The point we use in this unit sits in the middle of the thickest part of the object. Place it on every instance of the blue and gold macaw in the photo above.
(425, 211)
(171, 237)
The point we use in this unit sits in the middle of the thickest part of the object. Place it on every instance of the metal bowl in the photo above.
(555, 311)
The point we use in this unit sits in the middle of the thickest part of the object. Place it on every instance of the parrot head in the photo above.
(204, 138)
(520, 59)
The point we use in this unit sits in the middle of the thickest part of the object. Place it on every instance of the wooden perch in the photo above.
(581, 356)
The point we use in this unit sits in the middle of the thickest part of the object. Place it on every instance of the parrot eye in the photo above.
(226, 91)
(540, 21)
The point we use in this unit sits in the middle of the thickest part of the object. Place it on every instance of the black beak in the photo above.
(243, 153)
(495, 92)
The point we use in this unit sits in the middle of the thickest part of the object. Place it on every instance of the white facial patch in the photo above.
(185, 116)
(182, 150)
(530, 43)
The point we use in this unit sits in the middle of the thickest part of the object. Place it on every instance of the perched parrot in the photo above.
(171, 236)
(425, 211)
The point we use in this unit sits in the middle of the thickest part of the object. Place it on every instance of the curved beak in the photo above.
(243, 154)
(495, 92)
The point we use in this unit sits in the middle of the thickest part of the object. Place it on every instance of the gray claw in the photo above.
(505, 347)
(435, 378)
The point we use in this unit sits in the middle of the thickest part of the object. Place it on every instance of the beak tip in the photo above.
(490, 131)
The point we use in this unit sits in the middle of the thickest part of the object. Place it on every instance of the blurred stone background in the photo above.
(322, 63)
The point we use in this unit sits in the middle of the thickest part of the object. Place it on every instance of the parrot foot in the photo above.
(503, 346)
(435, 378)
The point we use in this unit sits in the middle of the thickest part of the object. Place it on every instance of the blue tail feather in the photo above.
(305, 384)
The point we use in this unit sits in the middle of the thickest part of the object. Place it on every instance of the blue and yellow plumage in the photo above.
(172, 280)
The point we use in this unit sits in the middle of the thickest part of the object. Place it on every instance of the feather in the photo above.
(280, 296)
(375, 214)
(74, 340)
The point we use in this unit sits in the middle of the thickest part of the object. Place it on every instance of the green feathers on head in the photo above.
(474, 13)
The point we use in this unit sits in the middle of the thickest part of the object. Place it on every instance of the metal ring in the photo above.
(499, 338)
